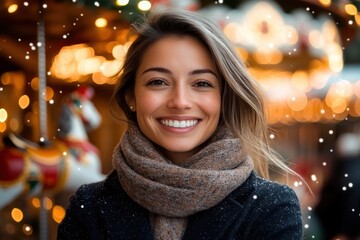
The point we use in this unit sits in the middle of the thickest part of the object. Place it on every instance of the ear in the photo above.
(130, 101)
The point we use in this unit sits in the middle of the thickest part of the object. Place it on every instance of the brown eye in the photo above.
(156, 82)
(203, 84)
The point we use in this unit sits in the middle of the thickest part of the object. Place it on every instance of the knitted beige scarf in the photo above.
(171, 192)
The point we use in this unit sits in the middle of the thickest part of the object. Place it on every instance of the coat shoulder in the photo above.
(99, 190)
(260, 189)
(102, 210)
(271, 207)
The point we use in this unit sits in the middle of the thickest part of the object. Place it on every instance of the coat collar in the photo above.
(133, 219)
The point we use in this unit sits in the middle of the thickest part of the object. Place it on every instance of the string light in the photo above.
(122, 2)
(101, 22)
(12, 8)
(144, 5)
(351, 9)
(17, 215)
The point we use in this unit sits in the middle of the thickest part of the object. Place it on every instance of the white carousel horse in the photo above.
(63, 164)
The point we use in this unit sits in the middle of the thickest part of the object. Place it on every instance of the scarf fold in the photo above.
(171, 192)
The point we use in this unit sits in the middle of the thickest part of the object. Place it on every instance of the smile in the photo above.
(179, 123)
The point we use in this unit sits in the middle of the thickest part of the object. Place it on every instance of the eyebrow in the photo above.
(157, 69)
(202, 71)
(195, 72)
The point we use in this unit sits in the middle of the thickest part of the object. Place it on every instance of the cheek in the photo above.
(211, 105)
(147, 103)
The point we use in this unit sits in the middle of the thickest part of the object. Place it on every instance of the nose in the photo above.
(180, 98)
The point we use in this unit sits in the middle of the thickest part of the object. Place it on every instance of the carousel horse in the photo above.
(29, 168)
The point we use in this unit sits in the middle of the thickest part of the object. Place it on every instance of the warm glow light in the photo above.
(315, 39)
(356, 88)
(357, 19)
(36, 202)
(82, 52)
(119, 52)
(264, 56)
(144, 5)
(243, 53)
(338, 105)
(6, 78)
(98, 78)
(330, 31)
(297, 101)
(3, 115)
(351, 9)
(292, 36)
(2, 127)
(357, 107)
(354, 109)
(74, 63)
(27, 229)
(24, 101)
(12, 8)
(233, 31)
(338, 96)
(307, 113)
(300, 81)
(122, 2)
(110, 68)
(275, 112)
(65, 56)
(49, 93)
(314, 105)
(325, 2)
(319, 78)
(264, 27)
(335, 57)
(343, 89)
(58, 213)
(90, 65)
(101, 22)
(14, 124)
(112, 80)
(48, 203)
(275, 84)
(35, 83)
(17, 215)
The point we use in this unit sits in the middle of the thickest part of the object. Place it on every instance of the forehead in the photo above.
(172, 48)
(176, 39)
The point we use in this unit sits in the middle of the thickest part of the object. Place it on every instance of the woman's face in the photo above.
(177, 96)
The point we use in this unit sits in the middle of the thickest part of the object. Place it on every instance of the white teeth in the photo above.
(179, 124)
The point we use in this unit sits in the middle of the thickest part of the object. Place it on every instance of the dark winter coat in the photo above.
(258, 209)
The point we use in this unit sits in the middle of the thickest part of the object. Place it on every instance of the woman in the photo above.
(190, 164)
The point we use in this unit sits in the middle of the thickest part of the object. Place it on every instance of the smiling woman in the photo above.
(177, 96)
(192, 162)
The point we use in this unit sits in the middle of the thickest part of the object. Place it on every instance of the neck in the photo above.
(179, 158)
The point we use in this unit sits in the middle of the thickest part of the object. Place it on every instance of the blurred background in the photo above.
(304, 53)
